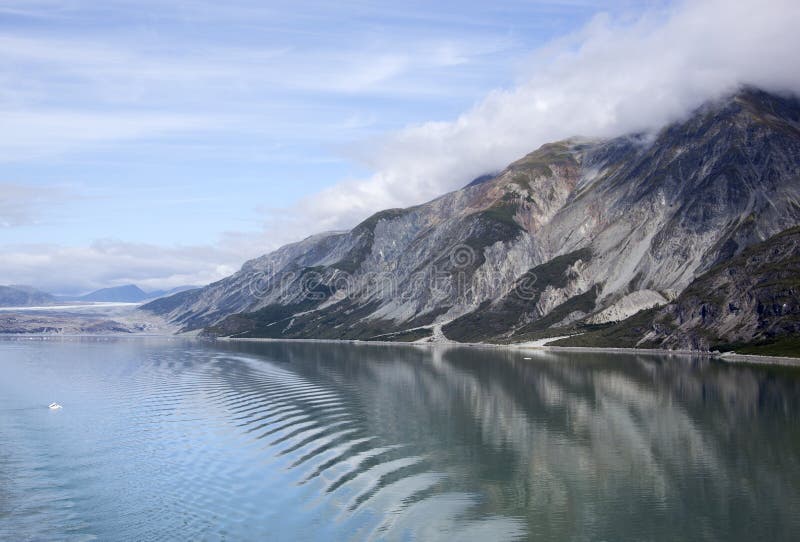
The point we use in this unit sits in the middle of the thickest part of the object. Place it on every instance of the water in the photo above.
(179, 440)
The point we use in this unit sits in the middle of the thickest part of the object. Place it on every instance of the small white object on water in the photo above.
(54, 406)
(526, 358)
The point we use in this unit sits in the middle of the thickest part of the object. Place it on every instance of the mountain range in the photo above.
(129, 293)
(27, 296)
(659, 238)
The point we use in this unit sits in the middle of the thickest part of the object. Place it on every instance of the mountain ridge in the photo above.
(589, 230)
(128, 293)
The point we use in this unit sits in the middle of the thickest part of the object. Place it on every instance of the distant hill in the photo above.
(119, 294)
(23, 296)
(129, 293)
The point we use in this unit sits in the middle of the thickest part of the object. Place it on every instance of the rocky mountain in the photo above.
(749, 303)
(23, 296)
(579, 232)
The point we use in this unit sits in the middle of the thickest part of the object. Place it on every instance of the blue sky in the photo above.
(205, 116)
(200, 133)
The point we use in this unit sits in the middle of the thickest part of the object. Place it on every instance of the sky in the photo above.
(165, 143)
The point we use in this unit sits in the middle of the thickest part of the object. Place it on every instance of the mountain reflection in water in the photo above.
(178, 439)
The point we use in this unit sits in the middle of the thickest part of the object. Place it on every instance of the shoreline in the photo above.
(518, 346)
(783, 361)
(726, 357)
(489, 346)
(732, 358)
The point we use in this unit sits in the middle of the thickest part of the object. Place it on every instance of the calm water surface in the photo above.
(175, 440)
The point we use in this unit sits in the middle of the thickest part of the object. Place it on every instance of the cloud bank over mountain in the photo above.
(610, 78)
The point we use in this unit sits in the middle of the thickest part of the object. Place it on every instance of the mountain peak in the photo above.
(129, 293)
(756, 105)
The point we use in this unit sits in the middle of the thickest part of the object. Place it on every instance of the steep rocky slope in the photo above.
(749, 303)
(577, 232)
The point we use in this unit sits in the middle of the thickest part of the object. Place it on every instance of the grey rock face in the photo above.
(754, 297)
(558, 237)
(750, 301)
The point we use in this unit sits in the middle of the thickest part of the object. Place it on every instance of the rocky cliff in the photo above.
(749, 303)
(579, 232)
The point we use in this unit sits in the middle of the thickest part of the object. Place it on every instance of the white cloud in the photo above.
(31, 134)
(612, 77)
(66, 94)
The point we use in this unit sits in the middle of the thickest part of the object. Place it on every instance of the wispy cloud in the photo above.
(32, 134)
(23, 205)
(64, 94)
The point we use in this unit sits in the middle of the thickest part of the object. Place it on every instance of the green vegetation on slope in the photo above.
(788, 347)
(584, 302)
(625, 334)
(494, 321)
